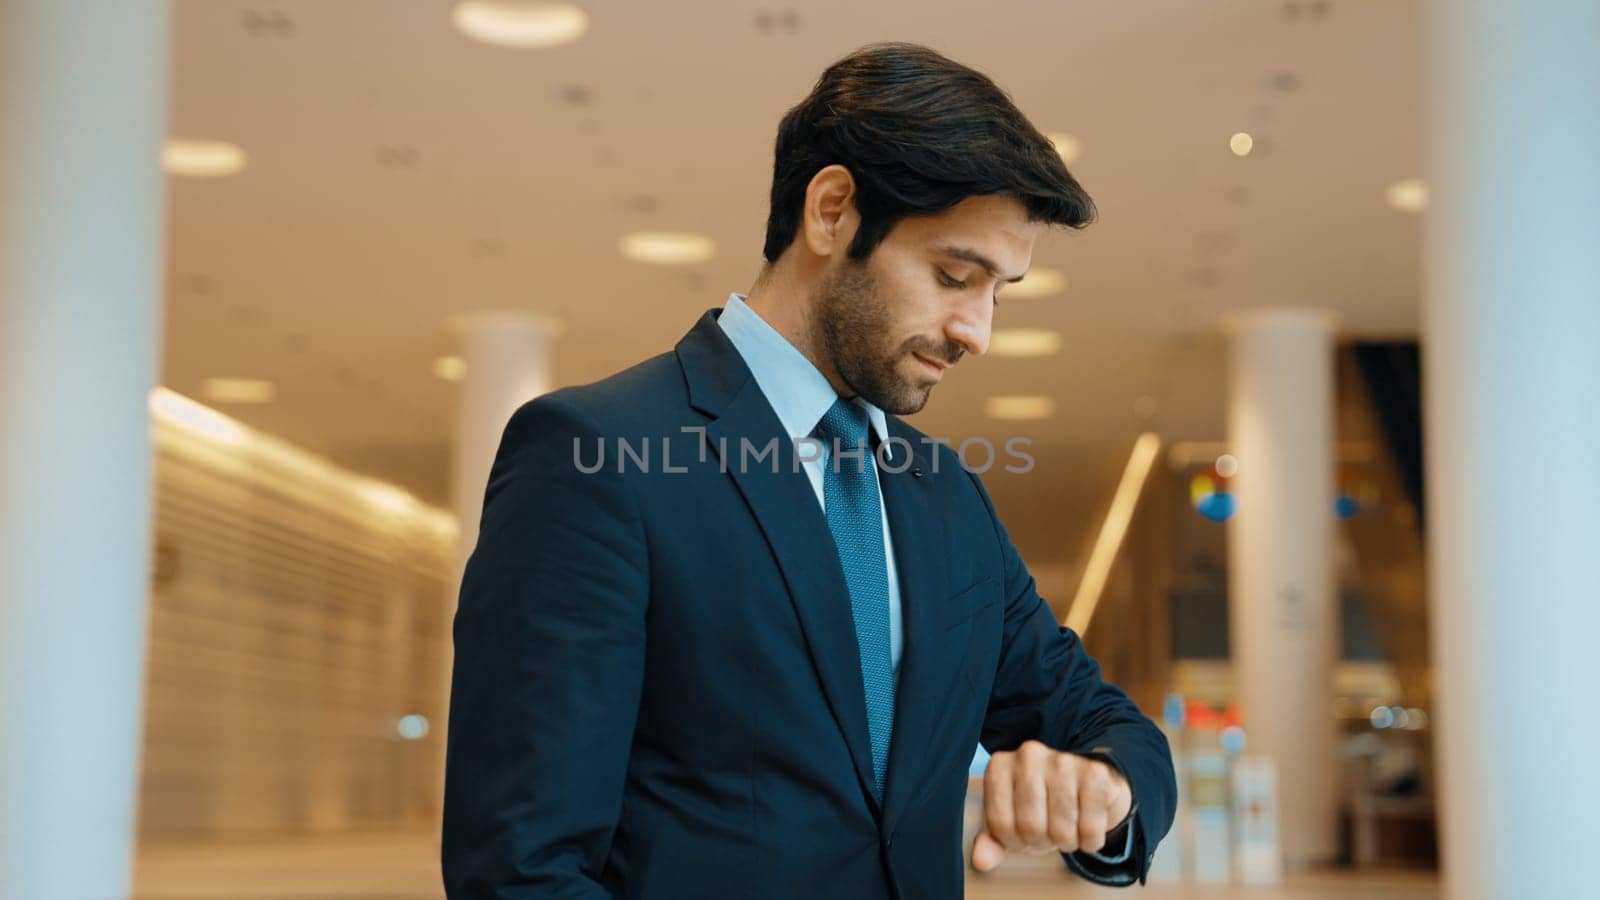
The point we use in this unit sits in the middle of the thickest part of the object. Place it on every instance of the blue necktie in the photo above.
(851, 503)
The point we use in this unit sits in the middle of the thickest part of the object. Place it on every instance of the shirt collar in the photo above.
(797, 391)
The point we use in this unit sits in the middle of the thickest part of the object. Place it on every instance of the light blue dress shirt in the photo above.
(799, 393)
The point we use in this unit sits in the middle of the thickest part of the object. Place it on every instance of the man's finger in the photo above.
(999, 818)
(1030, 803)
(1064, 815)
(987, 852)
(1092, 826)
(1094, 806)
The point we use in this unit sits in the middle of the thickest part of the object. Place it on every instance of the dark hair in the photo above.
(919, 132)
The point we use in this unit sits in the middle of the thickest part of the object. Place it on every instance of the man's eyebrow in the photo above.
(974, 256)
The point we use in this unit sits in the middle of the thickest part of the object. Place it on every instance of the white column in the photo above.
(1511, 346)
(508, 364)
(82, 118)
(1283, 615)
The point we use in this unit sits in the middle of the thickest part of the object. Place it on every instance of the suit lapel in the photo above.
(785, 506)
(928, 661)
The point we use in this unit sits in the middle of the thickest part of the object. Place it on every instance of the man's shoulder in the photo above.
(640, 398)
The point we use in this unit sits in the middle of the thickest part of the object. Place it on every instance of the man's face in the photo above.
(892, 324)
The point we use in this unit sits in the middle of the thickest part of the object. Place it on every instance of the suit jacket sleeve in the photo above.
(548, 671)
(1047, 688)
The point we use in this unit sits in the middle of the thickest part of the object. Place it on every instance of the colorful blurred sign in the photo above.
(1209, 494)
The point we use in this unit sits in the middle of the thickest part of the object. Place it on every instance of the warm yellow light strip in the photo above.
(196, 418)
(1112, 531)
(200, 426)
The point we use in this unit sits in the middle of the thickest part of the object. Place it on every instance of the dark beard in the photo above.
(854, 323)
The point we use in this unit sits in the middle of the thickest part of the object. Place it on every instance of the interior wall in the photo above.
(297, 615)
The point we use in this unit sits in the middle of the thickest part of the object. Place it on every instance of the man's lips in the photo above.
(936, 366)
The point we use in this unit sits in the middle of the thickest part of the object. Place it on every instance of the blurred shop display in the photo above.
(1258, 858)
(1226, 829)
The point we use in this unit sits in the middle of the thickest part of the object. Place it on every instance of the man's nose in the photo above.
(971, 327)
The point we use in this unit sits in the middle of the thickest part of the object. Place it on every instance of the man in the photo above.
(731, 628)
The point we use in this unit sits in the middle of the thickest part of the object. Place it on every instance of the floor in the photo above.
(405, 867)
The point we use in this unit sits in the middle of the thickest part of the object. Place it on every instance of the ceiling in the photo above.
(400, 174)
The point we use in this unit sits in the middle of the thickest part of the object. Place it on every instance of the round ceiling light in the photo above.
(239, 390)
(1410, 195)
(1024, 342)
(1241, 144)
(1067, 146)
(201, 159)
(667, 247)
(520, 23)
(1039, 282)
(450, 368)
(1019, 407)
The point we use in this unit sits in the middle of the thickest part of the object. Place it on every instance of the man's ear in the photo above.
(829, 218)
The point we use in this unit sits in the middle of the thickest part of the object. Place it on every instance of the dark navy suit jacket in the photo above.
(657, 692)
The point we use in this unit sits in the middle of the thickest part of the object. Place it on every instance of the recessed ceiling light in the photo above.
(1069, 147)
(1227, 465)
(1019, 407)
(1024, 342)
(239, 390)
(450, 368)
(200, 159)
(520, 23)
(1241, 144)
(1039, 282)
(413, 727)
(1410, 195)
(668, 247)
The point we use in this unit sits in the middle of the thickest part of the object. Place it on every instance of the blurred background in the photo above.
(1311, 406)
